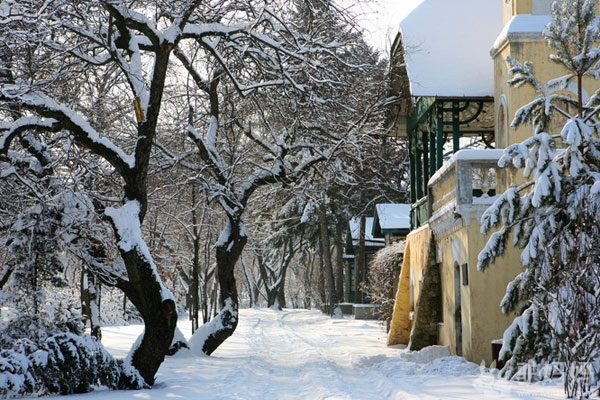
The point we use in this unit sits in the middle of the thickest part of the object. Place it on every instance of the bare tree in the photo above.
(239, 56)
(264, 134)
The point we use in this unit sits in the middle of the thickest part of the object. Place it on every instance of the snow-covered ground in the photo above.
(299, 354)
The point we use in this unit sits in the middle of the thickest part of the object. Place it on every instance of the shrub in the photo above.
(64, 364)
(381, 279)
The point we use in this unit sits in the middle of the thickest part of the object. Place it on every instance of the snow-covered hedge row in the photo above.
(65, 363)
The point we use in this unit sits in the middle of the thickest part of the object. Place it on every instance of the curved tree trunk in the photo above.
(229, 250)
(281, 292)
(159, 315)
(145, 290)
(159, 327)
(274, 278)
(144, 287)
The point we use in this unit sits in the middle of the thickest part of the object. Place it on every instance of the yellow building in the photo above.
(455, 108)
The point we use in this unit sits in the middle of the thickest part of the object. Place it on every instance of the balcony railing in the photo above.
(465, 185)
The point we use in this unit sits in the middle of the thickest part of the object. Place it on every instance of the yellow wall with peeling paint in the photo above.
(481, 316)
(416, 256)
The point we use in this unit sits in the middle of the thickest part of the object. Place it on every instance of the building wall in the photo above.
(476, 295)
(482, 319)
(514, 98)
(535, 7)
(486, 290)
(450, 250)
(479, 313)
(526, 47)
(416, 257)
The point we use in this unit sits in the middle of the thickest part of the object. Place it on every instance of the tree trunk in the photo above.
(361, 268)
(252, 286)
(339, 259)
(124, 307)
(159, 314)
(206, 300)
(281, 291)
(90, 300)
(276, 291)
(195, 287)
(308, 275)
(262, 268)
(287, 259)
(321, 280)
(327, 265)
(229, 250)
(6, 276)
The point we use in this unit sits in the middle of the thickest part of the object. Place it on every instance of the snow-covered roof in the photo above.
(354, 226)
(523, 28)
(391, 218)
(447, 46)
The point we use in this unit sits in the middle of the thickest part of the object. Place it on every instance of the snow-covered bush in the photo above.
(34, 328)
(65, 363)
(60, 313)
(15, 374)
(88, 363)
(381, 278)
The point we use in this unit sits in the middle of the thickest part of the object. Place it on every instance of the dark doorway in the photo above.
(457, 309)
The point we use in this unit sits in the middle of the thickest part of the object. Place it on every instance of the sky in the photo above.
(381, 19)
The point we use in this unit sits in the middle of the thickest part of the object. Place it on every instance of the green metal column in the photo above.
(413, 175)
(426, 167)
(439, 144)
(432, 139)
(455, 127)
(419, 166)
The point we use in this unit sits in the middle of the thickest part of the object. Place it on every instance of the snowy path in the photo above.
(299, 354)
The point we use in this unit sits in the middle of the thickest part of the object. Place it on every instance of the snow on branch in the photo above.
(133, 70)
(547, 185)
(267, 50)
(522, 74)
(547, 98)
(126, 17)
(126, 221)
(504, 209)
(576, 133)
(208, 150)
(274, 150)
(513, 294)
(69, 120)
(21, 125)
(495, 247)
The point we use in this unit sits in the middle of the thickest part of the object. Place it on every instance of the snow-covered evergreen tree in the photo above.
(554, 215)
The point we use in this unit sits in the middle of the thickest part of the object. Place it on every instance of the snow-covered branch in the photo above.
(126, 221)
(23, 124)
(127, 18)
(66, 118)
